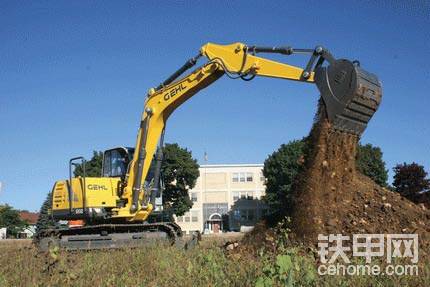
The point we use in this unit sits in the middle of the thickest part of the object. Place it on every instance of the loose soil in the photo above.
(333, 197)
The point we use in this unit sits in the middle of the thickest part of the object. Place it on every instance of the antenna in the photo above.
(206, 157)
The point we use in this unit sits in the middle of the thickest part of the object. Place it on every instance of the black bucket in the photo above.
(350, 94)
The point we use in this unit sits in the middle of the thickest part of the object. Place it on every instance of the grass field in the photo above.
(158, 265)
(161, 265)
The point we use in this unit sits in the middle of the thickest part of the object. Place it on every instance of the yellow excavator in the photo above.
(113, 209)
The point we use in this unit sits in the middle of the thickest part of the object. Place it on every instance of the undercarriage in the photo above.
(112, 236)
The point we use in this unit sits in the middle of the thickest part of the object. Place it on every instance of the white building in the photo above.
(31, 219)
(226, 197)
(3, 232)
(27, 232)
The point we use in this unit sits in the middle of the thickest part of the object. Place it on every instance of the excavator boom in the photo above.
(350, 94)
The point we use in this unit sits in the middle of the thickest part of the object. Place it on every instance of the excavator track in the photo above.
(112, 236)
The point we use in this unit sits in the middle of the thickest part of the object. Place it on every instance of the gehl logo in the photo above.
(174, 91)
(96, 187)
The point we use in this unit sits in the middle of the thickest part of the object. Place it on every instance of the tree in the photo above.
(280, 170)
(180, 172)
(10, 219)
(369, 162)
(410, 180)
(93, 167)
(45, 220)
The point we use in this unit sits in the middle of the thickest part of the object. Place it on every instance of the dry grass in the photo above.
(158, 265)
(161, 265)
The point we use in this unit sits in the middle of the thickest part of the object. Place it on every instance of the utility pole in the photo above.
(205, 159)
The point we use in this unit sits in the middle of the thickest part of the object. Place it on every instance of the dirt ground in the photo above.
(333, 197)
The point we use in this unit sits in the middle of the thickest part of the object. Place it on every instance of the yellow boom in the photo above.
(236, 60)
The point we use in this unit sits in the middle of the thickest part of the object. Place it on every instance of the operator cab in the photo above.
(116, 161)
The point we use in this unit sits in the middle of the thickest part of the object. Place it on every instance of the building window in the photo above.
(249, 177)
(180, 219)
(187, 217)
(193, 196)
(235, 195)
(194, 216)
(250, 214)
(235, 177)
(246, 214)
(243, 195)
(242, 177)
(236, 214)
(262, 178)
(243, 215)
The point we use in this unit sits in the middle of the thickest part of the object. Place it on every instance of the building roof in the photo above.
(233, 165)
(30, 217)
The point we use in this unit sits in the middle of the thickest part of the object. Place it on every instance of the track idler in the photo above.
(350, 94)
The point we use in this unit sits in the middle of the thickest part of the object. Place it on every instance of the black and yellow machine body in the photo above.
(120, 201)
(84, 197)
(92, 198)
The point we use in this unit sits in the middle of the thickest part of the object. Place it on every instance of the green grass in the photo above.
(162, 265)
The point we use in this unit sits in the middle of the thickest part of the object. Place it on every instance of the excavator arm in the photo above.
(350, 94)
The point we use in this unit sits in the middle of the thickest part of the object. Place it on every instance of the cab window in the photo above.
(115, 163)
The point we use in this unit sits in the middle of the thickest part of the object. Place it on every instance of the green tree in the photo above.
(370, 163)
(280, 170)
(410, 180)
(10, 219)
(45, 220)
(93, 167)
(180, 172)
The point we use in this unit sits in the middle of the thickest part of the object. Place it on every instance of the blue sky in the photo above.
(74, 75)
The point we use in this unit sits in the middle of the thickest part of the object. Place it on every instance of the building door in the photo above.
(215, 227)
(215, 223)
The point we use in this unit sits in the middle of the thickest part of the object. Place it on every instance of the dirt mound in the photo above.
(260, 236)
(333, 197)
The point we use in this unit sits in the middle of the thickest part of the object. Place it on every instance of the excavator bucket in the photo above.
(350, 94)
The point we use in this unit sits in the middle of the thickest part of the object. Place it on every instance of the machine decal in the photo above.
(96, 187)
(181, 87)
